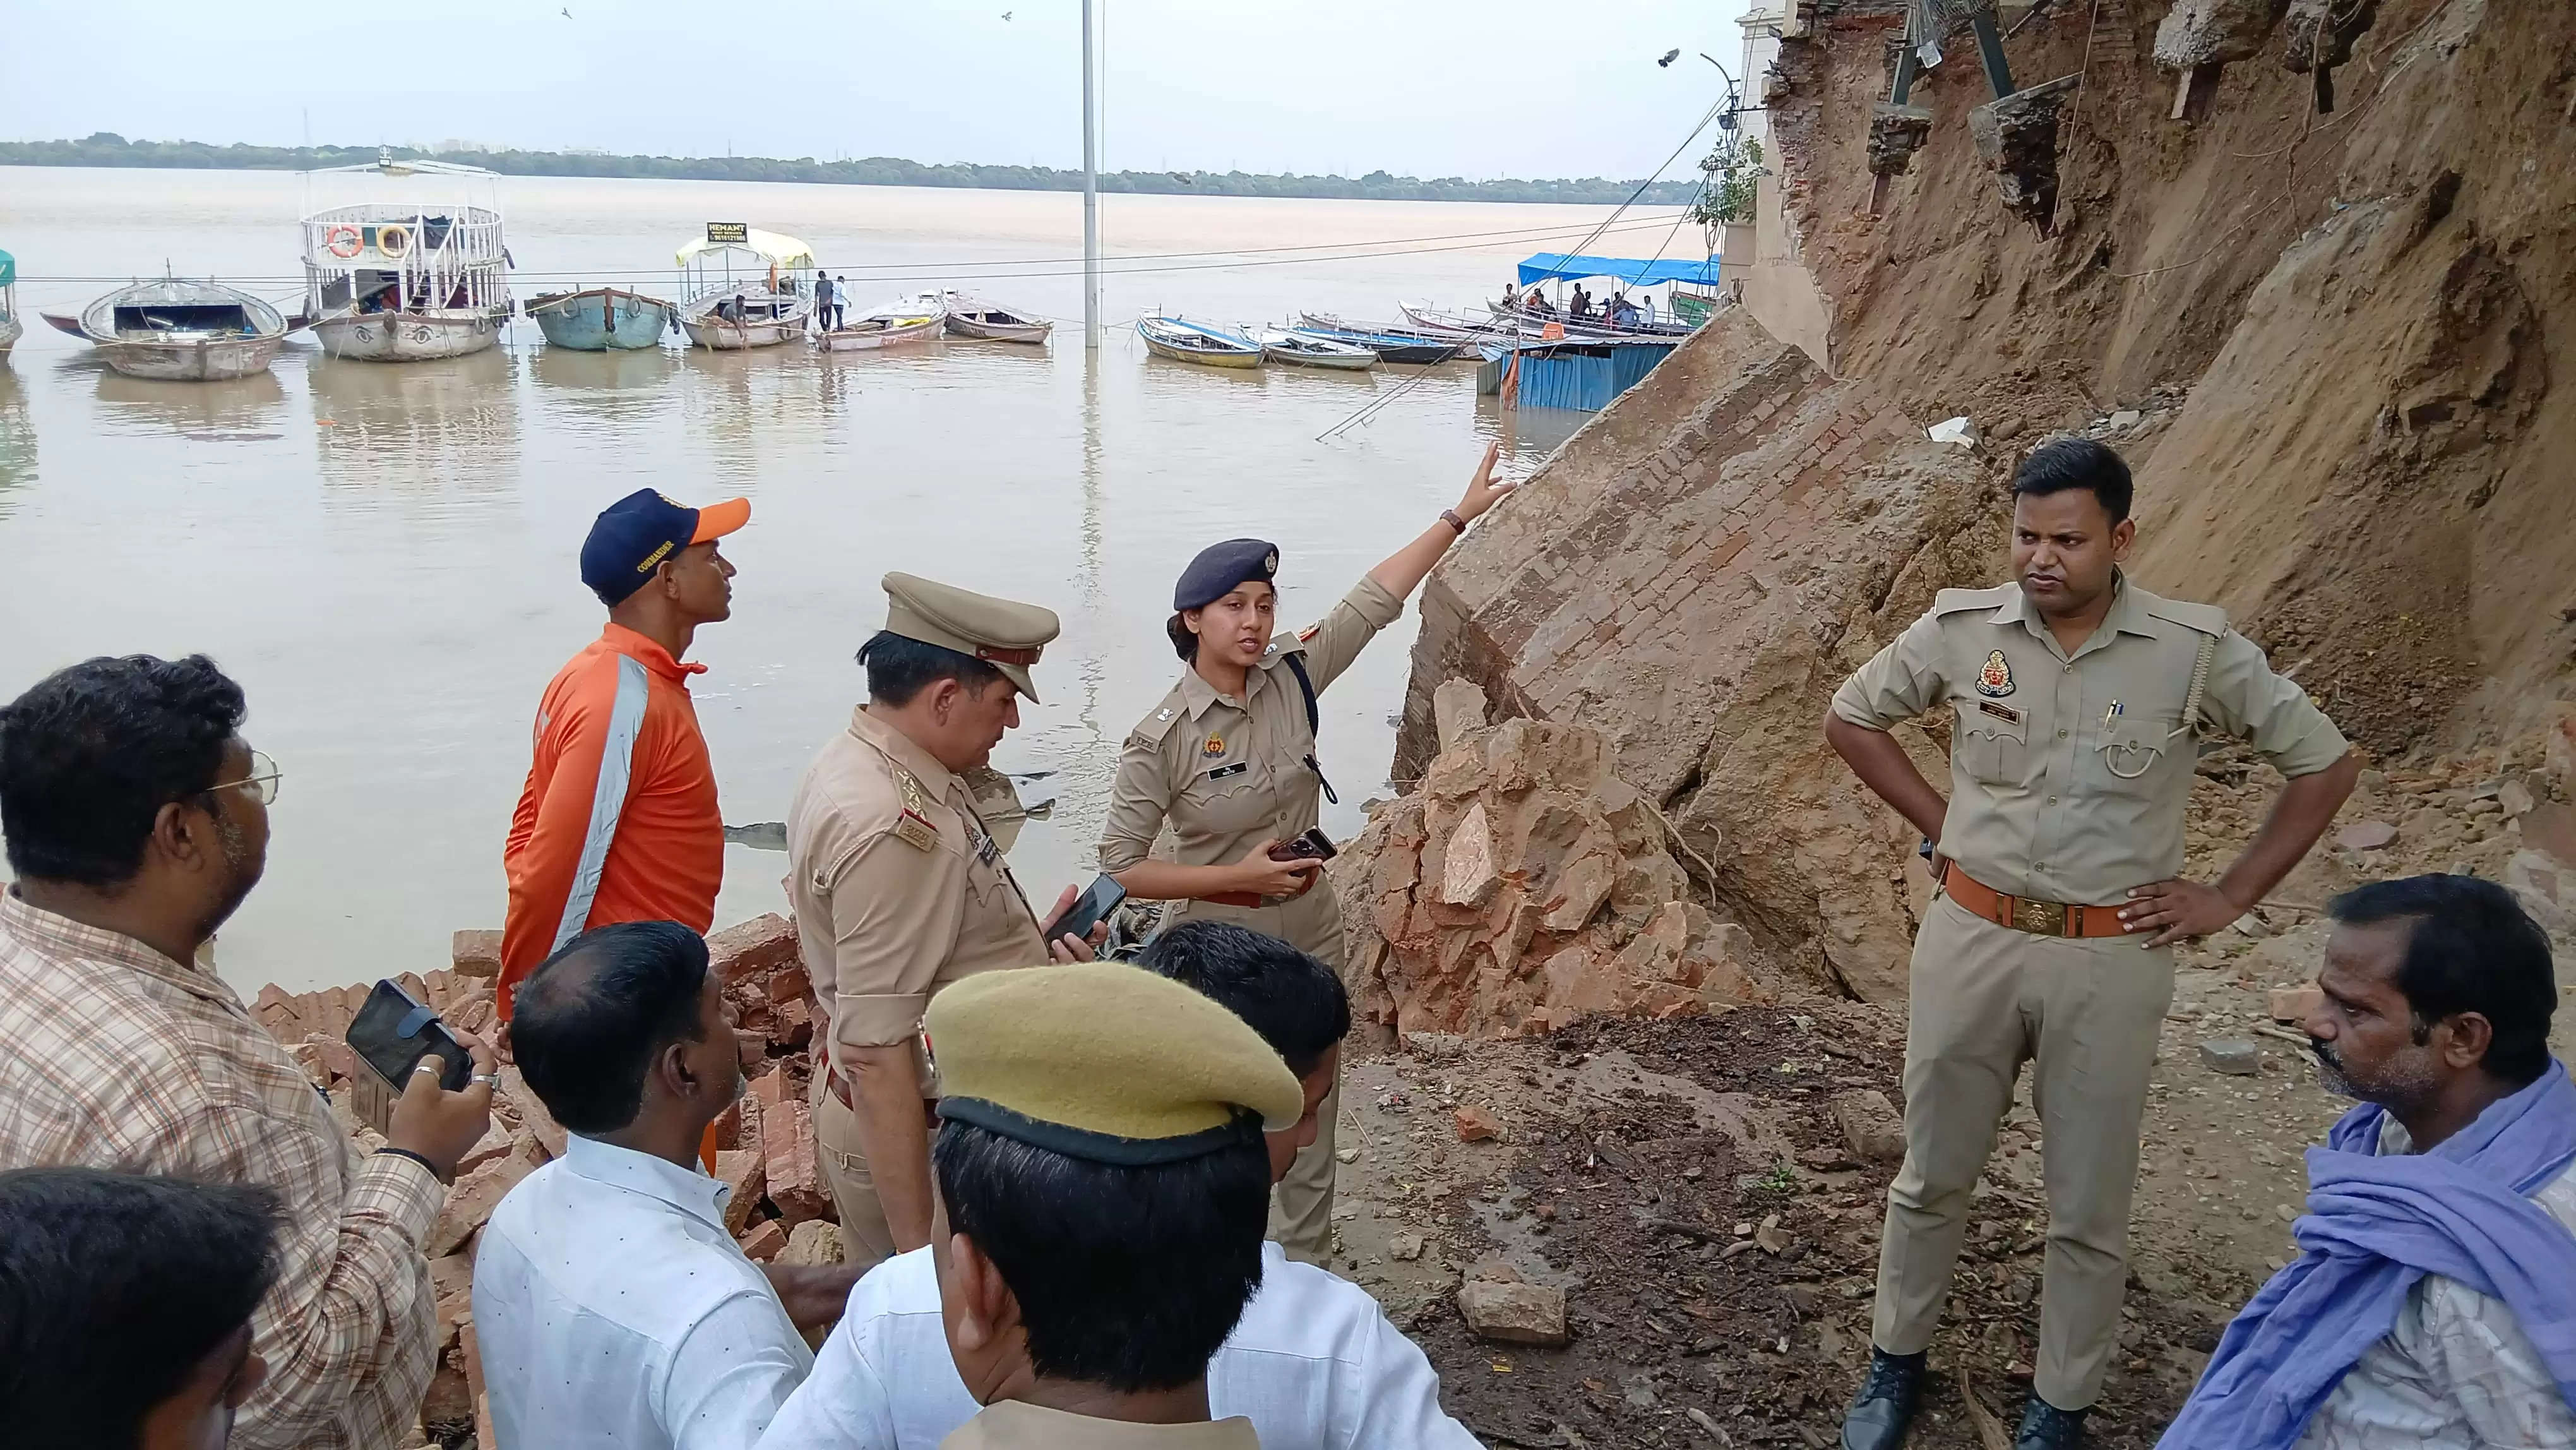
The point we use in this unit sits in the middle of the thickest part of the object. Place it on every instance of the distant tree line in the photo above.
(106, 148)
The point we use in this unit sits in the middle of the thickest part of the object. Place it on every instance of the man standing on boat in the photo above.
(619, 821)
(823, 295)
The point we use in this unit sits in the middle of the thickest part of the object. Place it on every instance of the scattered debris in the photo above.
(2366, 836)
(1513, 1313)
(1477, 1125)
(1871, 1126)
(2235, 1056)
(1953, 430)
(2016, 136)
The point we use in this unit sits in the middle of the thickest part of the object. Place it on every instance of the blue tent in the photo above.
(1628, 270)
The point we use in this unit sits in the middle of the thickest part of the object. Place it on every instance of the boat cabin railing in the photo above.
(388, 257)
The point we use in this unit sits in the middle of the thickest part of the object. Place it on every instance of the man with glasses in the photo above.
(137, 820)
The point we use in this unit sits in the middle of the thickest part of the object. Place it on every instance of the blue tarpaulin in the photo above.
(1629, 270)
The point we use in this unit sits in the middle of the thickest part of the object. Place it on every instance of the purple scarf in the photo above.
(2377, 1224)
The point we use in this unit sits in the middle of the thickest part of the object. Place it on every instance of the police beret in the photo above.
(1003, 633)
(1219, 567)
(1105, 1062)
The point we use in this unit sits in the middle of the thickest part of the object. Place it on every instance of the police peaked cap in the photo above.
(1219, 567)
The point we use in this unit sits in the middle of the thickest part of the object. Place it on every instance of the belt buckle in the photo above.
(2040, 918)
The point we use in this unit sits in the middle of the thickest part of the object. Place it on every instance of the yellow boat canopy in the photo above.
(785, 251)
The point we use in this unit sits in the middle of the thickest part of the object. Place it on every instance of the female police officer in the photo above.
(1228, 759)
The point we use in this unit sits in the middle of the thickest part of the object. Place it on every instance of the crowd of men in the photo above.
(1057, 1173)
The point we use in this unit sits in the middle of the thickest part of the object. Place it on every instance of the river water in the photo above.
(385, 555)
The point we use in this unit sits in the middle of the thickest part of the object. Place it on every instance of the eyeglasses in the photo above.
(263, 776)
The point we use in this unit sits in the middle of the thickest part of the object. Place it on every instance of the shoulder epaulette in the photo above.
(2209, 619)
(1955, 601)
(1158, 723)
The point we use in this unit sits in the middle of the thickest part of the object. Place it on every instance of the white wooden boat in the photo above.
(1306, 349)
(178, 330)
(411, 279)
(912, 319)
(745, 287)
(975, 317)
(1193, 342)
(1450, 325)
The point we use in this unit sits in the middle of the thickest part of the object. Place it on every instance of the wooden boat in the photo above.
(1193, 343)
(404, 281)
(1596, 325)
(1452, 326)
(1390, 344)
(975, 317)
(746, 287)
(1313, 350)
(601, 319)
(909, 320)
(11, 329)
(178, 330)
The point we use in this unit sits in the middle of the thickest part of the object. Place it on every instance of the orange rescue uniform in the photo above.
(619, 820)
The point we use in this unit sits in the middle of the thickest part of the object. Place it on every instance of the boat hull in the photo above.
(202, 360)
(1227, 359)
(10, 330)
(602, 319)
(1355, 360)
(870, 339)
(409, 336)
(722, 336)
(1033, 332)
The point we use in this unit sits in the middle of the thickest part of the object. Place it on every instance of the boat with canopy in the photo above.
(1632, 273)
(10, 327)
(404, 279)
(744, 287)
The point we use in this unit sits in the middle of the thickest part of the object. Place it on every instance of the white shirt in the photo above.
(1314, 1365)
(2455, 1371)
(612, 1309)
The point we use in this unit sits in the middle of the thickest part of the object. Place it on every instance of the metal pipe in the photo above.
(1090, 197)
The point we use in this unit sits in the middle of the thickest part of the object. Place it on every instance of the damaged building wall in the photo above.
(2357, 309)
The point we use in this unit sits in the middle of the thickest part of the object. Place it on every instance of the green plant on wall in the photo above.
(1731, 167)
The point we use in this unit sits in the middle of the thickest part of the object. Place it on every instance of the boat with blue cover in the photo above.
(1389, 344)
(602, 319)
(1193, 342)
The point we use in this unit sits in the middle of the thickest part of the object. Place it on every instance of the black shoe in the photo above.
(1883, 1409)
(2046, 1427)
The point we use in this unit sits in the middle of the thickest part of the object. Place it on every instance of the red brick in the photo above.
(531, 1111)
(739, 1126)
(795, 1024)
(1476, 1125)
(746, 1173)
(763, 944)
(476, 953)
(764, 1242)
(471, 1202)
(794, 1168)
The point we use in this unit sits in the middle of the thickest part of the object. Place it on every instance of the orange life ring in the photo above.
(393, 241)
(343, 241)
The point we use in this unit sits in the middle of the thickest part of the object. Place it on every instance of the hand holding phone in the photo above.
(395, 1035)
(1314, 845)
(1088, 910)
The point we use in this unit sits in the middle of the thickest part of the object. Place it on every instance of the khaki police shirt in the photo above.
(1230, 773)
(888, 912)
(1014, 1425)
(2069, 772)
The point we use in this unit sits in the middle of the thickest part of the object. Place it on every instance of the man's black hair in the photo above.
(114, 1287)
(1126, 1277)
(589, 1021)
(2064, 463)
(91, 753)
(900, 667)
(2470, 947)
(1297, 1004)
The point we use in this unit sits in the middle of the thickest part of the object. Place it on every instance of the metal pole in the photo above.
(1090, 198)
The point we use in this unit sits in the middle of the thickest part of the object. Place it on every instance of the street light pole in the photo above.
(1090, 196)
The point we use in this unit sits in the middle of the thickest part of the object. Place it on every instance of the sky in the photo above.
(1475, 88)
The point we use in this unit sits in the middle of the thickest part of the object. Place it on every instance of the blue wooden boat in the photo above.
(1394, 347)
(1191, 342)
(598, 319)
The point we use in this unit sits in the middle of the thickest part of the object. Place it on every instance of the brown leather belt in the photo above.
(1256, 899)
(2021, 913)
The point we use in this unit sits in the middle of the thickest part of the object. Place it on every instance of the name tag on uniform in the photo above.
(916, 831)
(2000, 712)
(1222, 771)
(985, 851)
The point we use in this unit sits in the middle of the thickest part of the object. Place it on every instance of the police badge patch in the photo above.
(1995, 680)
(1215, 747)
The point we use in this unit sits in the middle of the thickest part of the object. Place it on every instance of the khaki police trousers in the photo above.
(866, 1241)
(1982, 1000)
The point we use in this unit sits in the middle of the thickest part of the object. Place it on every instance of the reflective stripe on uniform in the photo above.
(616, 770)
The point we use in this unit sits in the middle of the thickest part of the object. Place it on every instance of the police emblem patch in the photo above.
(1215, 747)
(1995, 680)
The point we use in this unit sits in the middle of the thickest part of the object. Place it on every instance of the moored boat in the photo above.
(408, 280)
(601, 319)
(975, 317)
(1193, 342)
(10, 327)
(1452, 326)
(1390, 344)
(179, 330)
(911, 319)
(745, 287)
(1313, 350)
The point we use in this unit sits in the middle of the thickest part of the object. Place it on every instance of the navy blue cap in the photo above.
(1219, 567)
(632, 536)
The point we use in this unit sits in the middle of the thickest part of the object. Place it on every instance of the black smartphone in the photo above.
(390, 1035)
(1089, 909)
(1312, 846)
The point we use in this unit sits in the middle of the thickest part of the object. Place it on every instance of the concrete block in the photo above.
(2234, 1056)
(1513, 1313)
